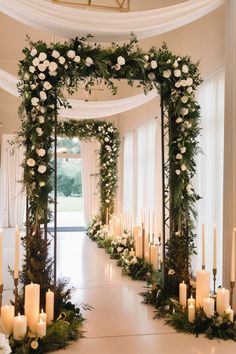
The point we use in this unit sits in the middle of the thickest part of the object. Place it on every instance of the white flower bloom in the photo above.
(41, 67)
(52, 73)
(189, 81)
(175, 64)
(42, 169)
(34, 101)
(168, 61)
(178, 84)
(43, 95)
(31, 162)
(107, 201)
(177, 172)
(107, 139)
(151, 76)
(41, 119)
(35, 62)
(184, 111)
(62, 60)
(41, 76)
(179, 120)
(31, 69)
(178, 59)
(4, 344)
(33, 52)
(185, 69)
(77, 59)
(39, 131)
(26, 77)
(189, 189)
(52, 66)
(179, 157)
(42, 109)
(119, 249)
(32, 173)
(190, 90)
(184, 83)
(47, 85)
(46, 63)
(184, 99)
(116, 67)
(177, 73)
(146, 57)
(88, 61)
(121, 60)
(153, 64)
(41, 152)
(183, 150)
(42, 184)
(171, 272)
(167, 73)
(183, 167)
(71, 54)
(33, 86)
(55, 54)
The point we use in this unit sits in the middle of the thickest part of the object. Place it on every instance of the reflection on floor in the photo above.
(119, 323)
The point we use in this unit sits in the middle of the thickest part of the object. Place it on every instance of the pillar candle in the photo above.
(41, 328)
(32, 299)
(214, 249)
(139, 246)
(203, 248)
(222, 300)
(19, 327)
(192, 301)
(232, 274)
(43, 316)
(136, 232)
(50, 306)
(230, 312)
(209, 306)
(7, 317)
(154, 256)
(202, 286)
(17, 253)
(1, 240)
(182, 293)
(117, 227)
(191, 313)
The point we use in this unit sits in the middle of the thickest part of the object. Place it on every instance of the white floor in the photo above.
(119, 323)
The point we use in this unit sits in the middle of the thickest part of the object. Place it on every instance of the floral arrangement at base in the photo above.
(4, 344)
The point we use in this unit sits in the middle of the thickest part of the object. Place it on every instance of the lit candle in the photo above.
(222, 300)
(209, 306)
(32, 299)
(230, 312)
(41, 328)
(7, 317)
(232, 275)
(19, 327)
(214, 249)
(50, 305)
(191, 313)
(191, 301)
(1, 239)
(154, 256)
(202, 286)
(182, 293)
(17, 252)
(203, 247)
(43, 316)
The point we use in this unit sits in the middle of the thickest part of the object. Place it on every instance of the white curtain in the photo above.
(128, 172)
(90, 177)
(209, 180)
(12, 202)
(105, 26)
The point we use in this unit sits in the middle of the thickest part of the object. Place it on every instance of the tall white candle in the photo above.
(202, 286)
(209, 306)
(1, 275)
(154, 256)
(7, 317)
(139, 246)
(19, 327)
(136, 232)
(50, 305)
(41, 328)
(191, 313)
(232, 274)
(32, 299)
(214, 249)
(17, 253)
(230, 312)
(222, 300)
(182, 293)
(203, 247)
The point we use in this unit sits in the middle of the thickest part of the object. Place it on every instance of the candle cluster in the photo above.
(32, 319)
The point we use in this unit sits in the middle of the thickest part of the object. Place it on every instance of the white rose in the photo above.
(41, 76)
(31, 162)
(41, 67)
(42, 184)
(42, 56)
(177, 73)
(47, 85)
(62, 60)
(31, 69)
(184, 99)
(34, 101)
(46, 63)
(71, 54)
(189, 189)
(185, 69)
(43, 95)
(189, 81)
(167, 73)
(88, 61)
(39, 131)
(117, 67)
(178, 59)
(33, 52)
(153, 64)
(183, 150)
(41, 152)
(151, 76)
(179, 120)
(52, 66)
(178, 84)
(184, 111)
(52, 73)
(55, 54)
(175, 64)
(42, 109)
(77, 59)
(190, 90)
(35, 62)
(42, 169)
(119, 249)
(41, 119)
(146, 57)
(183, 83)
(179, 157)
(183, 167)
(121, 60)
(177, 172)
(168, 61)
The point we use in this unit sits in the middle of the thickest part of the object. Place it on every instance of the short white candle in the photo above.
(43, 316)
(7, 317)
(222, 300)
(191, 313)
(209, 306)
(214, 249)
(41, 328)
(32, 299)
(182, 293)
(232, 274)
(17, 253)
(192, 301)
(19, 327)
(230, 312)
(202, 286)
(154, 256)
(203, 247)
(50, 305)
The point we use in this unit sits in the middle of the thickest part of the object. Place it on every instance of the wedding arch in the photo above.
(45, 72)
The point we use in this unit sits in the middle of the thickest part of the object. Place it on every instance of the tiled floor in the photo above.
(119, 323)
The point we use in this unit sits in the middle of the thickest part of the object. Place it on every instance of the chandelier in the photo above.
(114, 5)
